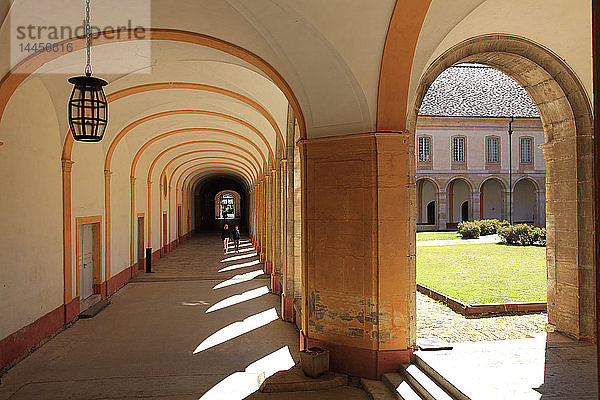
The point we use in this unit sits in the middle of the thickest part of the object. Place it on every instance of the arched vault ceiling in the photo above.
(201, 66)
(328, 52)
(194, 143)
(213, 127)
(312, 45)
(142, 105)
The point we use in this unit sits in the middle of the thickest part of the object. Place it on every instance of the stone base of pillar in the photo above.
(354, 361)
(268, 266)
(276, 283)
(263, 257)
(287, 308)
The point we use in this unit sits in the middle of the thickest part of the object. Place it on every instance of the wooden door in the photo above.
(140, 246)
(165, 232)
(86, 261)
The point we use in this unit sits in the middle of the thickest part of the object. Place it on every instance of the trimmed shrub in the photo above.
(525, 234)
(488, 226)
(469, 230)
(539, 236)
(508, 234)
(502, 224)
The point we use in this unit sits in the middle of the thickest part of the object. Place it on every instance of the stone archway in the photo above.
(492, 193)
(460, 201)
(566, 116)
(525, 202)
(236, 203)
(427, 204)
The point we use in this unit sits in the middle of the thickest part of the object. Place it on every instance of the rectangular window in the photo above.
(526, 145)
(424, 149)
(492, 150)
(459, 150)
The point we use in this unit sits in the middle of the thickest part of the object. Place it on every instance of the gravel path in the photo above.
(452, 242)
(436, 322)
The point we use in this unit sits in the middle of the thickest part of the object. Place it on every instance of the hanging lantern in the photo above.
(88, 108)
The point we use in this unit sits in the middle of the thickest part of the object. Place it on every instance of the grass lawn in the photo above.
(484, 273)
(437, 235)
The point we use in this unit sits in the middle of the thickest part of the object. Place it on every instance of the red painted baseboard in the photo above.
(275, 283)
(287, 308)
(16, 346)
(118, 281)
(354, 361)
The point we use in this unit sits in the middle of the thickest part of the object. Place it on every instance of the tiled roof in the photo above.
(474, 90)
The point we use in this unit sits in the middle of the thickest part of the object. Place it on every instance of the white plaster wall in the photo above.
(524, 201)
(120, 204)
(31, 274)
(87, 193)
(492, 194)
(442, 129)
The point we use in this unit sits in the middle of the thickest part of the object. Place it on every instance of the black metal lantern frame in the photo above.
(88, 108)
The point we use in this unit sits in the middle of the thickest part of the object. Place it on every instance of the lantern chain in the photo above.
(88, 65)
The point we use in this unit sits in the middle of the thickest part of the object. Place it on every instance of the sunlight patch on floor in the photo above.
(248, 276)
(239, 385)
(238, 328)
(240, 257)
(239, 298)
(231, 250)
(237, 266)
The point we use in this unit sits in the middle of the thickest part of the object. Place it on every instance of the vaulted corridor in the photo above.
(297, 121)
(200, 318)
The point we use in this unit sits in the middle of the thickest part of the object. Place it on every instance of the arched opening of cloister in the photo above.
(460, 200)
(427, 204)
(527, 206)
(565, 113)
(219, 200)
(492, 198)
(227, 205)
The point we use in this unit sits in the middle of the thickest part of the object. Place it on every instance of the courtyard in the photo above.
(477, 274)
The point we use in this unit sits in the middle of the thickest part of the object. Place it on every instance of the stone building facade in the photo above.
(463, 155)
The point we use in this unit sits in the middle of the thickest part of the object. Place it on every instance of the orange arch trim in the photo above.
(161, 114)
(235, 161)
(185, 130)
(204, 151)
(396, 63)
(11, 81)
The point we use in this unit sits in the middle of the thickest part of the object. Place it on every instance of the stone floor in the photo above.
(547, 367)
(201, 326)
(439, 323)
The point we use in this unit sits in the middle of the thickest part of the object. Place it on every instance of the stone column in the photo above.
(540, 201)
(291, 287)
(266, 220)
(476, 205)
(507, 205)
(443, 209)
(359, 276)
(274, 230)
